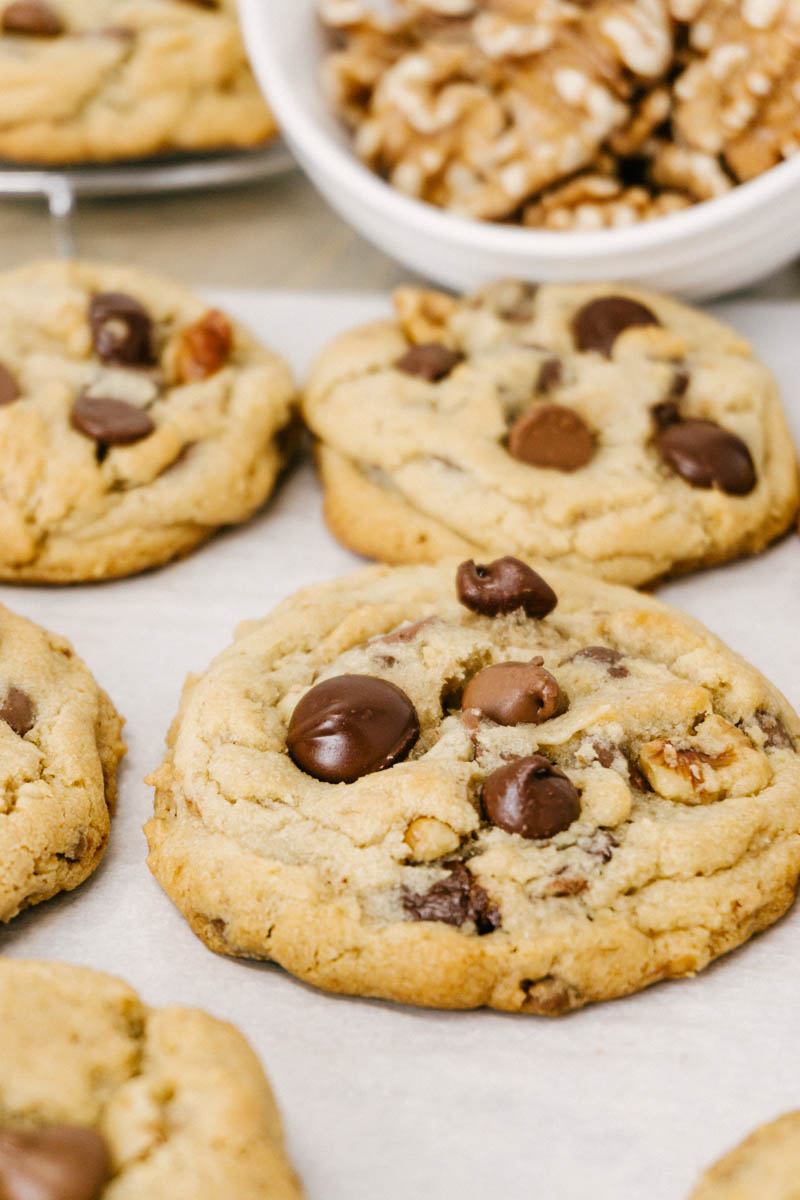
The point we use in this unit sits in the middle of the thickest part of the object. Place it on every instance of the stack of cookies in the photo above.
(483, 772)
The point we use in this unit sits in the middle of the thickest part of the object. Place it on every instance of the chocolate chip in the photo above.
(609, 658)
(406, 633)
(9, 388)
(429, 360)
(514, 693)
(18, 711)
(550, 375)
(531, 797)
(57, 1162)
(665, 414)
(679, 386)
(122, 330)
(502, 587)
(599, 323)
(33, 18)
(350, 726)
(110, 422)
(605, 753)
(551, 435)
(777, 734)
(706, 455)
(455, 900)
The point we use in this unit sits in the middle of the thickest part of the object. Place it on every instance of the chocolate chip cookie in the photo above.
(97, 80)
(134, 421)
(479, 784)
(766, 1166)
(610, 430)
(101, 1096)
(60, 744)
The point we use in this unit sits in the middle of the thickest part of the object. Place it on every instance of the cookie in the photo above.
(97, 80)
(766, 1166)
(101, 1096)
(476, 785)
(134, 421)
(60, 744)
(607, 429)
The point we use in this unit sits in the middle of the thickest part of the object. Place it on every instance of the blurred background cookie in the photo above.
(613, 430)
(98, 80)
(766, 1166)
(134, 421)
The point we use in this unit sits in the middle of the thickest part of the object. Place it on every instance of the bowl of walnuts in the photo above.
(648, 141)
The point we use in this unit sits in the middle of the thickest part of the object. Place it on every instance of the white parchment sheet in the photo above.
(620, 1101)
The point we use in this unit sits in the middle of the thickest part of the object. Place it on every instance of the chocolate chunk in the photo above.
(122, 330)
(33, 18)
(599, 323)
(551, 373)
(429, 360)
(609, 658)
(9, 388)
(531, 797)
(502, 587)
(680, 385)
(57, 1162)
(455, 900)
(204, 347)
(551, 435)
(406, 633)
(605, 753)
(777, 734)
(706, 455)
(350, 726)
(665, 414)
(514, 693)
(18, 711)
(111, 422)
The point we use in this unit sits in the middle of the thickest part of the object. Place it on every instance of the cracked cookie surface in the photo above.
(766, 1166)
(97, 80)
(621, 806)
(178, 1097)
(60, 744)
(134, 421)
(471, 455)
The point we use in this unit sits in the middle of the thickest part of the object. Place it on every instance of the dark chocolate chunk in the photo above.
(9, 388)
(111, 422)
(706, 455)
(122, 330)
(56, 1162)
(599, 323)
(514, 693)
(531, 797)
(455, 900)
(551, 435)
(18, 711)
(610, 659)
(33, 18)
(350, 726)
(503, 586)
(429, 360)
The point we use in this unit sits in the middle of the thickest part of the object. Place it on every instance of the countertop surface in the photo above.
(275, 234)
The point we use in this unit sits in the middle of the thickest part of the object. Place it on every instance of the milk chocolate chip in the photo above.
(18, 711)
(706, 455)
(350, 726)
(455, 900)
(58, 1162)
(122, 330)
(599, 323)
(550, 375)
(531, 797)
(429, 360)
(551, 435)
(33, 18)
(502, 587)
(610, 659)
(9, 388)
(514, 693)
(112, 422)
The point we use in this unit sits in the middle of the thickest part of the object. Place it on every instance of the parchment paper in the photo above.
(618, 1102)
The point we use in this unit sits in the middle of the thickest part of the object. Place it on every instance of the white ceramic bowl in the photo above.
(714, 247)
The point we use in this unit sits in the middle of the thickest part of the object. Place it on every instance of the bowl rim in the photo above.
(325, 153)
